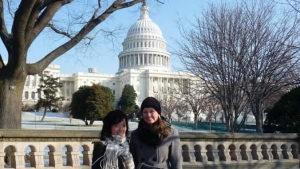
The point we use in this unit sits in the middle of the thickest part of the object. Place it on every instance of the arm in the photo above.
(98, 152)
(132, 149)
(175, 155)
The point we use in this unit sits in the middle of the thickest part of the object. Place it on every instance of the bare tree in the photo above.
(295, 75)
(194, 95)
(294, 4)
(29, 18)
(169, 105)
(241, 52)
(213, 108)
(272, 56)
(182, 109)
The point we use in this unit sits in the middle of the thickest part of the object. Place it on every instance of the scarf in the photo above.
(117, 146)
(147, 135)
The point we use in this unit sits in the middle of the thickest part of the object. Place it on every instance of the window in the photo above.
(32, 95)
(26, 95)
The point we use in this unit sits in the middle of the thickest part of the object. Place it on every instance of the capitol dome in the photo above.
(144, 46)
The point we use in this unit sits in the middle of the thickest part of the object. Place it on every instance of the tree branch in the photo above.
(44, 62)
(1, 62)
(56, 30)
(5, 36)
(43, 20)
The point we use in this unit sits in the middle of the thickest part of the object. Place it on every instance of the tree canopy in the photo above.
(284, 117)
(91, 103)
(127, 101)
(22, 22)
(48, 94)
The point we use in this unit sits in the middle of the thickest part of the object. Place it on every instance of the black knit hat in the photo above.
(151, 102)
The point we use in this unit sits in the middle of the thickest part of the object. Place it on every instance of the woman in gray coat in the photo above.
(155, 144)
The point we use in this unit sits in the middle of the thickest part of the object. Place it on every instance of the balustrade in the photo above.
(73, 150)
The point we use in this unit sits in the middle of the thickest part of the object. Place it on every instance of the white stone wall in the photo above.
(73, 150)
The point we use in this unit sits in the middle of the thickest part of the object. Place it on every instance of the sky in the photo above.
(104, 55)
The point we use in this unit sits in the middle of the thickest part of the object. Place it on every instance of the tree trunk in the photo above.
(92, 121)
(11, 91)
(44, 115)
(195, 120)
(259, 123)
(227, 125)
(258, 114)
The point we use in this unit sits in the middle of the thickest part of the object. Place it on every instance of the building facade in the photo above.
(144, 63)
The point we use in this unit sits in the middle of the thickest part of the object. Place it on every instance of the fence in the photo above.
(212, 126)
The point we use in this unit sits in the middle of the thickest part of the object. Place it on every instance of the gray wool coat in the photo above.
(166, 155)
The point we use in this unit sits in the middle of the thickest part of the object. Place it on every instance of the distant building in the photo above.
(144, 63)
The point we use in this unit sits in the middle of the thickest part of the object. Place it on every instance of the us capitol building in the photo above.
(144, 63)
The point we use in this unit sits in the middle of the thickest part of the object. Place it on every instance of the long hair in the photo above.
(161, 127)
(112, 118)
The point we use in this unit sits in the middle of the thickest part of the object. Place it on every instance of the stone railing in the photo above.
(240, 150)
(44, 149)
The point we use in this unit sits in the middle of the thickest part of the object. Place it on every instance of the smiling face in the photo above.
(119, 128)
(150, 115)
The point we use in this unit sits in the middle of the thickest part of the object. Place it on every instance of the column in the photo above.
(226, 154)
(2, 156)
(238, 155)
(141, 59)
(192, 156)
(259, 155)
(279, 152)
(145, 59)
(87, 157)
(37, 159)
(122, 62)
(167, 62)
(204, 155)
(127, 60)
(55, 159)
(289, 153)
(215, 155)
(18, 161)
(74, 158)
(269, 152)
(134, 60)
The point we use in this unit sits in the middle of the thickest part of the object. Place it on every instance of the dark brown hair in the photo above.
(112, 118)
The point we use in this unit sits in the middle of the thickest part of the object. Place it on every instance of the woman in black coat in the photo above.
(112, 151)
(155, 144)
